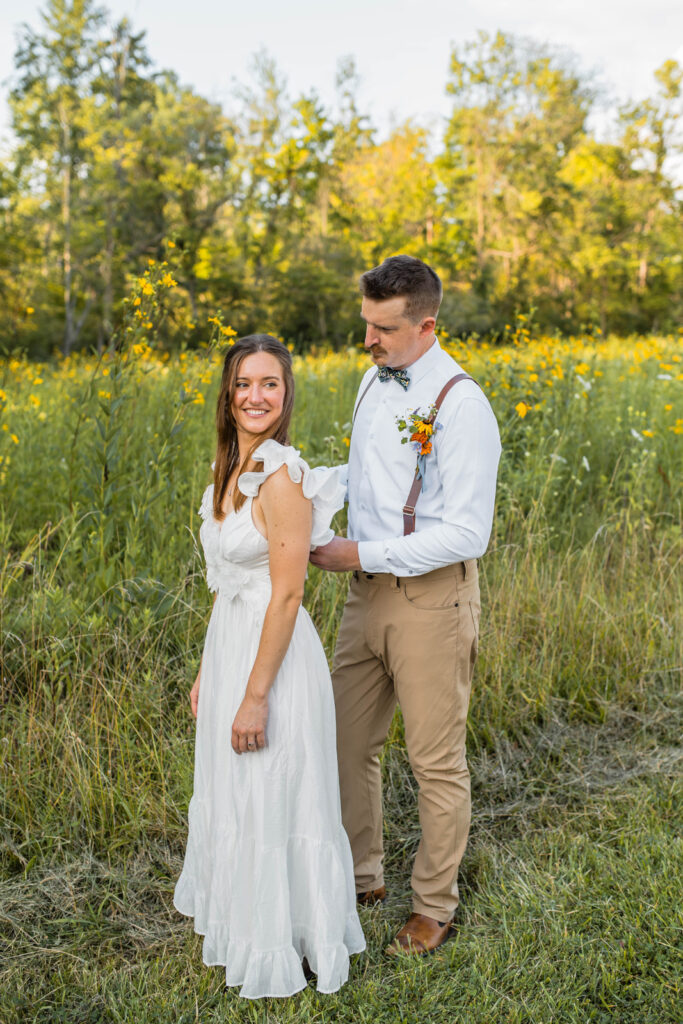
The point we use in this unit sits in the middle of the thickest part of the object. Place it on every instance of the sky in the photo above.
(401, 47)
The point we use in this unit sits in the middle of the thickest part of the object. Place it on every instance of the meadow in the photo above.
(570, 900)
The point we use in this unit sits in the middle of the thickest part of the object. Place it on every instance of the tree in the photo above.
(56, 70)
(518, 110)
(194, 152)
(388, 196)
(117, 111)
(652, 141)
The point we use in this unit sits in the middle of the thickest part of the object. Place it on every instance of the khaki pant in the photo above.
(411, 639)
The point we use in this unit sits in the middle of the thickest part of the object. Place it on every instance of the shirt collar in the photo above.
(425, 364)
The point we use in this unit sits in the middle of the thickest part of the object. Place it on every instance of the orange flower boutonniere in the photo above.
(419, 428)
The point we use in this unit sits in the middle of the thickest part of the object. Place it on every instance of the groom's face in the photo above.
(390, 337)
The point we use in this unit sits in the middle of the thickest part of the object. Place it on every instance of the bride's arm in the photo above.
(194, 692)
(288, 520)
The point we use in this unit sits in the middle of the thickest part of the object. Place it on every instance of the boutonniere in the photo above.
(419, 429)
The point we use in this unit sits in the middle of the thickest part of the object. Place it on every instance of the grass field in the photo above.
(571, 907)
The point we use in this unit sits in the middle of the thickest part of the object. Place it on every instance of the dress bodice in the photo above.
(236, 552)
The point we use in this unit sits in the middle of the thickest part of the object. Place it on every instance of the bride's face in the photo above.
(258, 394)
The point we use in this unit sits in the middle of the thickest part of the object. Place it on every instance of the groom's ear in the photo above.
(427, 326)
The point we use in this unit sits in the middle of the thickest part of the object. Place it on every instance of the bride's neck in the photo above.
(243, 447)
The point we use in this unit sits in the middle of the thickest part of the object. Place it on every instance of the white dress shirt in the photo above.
(454, 511)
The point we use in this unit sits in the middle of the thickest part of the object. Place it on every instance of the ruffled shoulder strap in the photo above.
(320, 485)
(206, 507)
(273, 455)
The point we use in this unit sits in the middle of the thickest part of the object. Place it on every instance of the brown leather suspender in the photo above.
(355, 411)
(411, 501)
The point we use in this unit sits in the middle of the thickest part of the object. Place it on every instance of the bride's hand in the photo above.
(194, 694)
(249, 727)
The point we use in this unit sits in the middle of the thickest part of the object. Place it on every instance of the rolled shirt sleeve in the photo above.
(343, 478)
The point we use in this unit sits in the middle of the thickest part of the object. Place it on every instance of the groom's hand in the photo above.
(340, 555)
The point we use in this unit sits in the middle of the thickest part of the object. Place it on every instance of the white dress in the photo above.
(268, 873)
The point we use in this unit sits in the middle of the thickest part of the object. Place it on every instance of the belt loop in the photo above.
(464, 569)
(396, 583)
(355, 575)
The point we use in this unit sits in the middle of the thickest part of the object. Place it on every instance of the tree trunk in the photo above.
(642, 274)
(480, 236)
(107, 326)
(429, 230)
(67, 202)
(323, 202)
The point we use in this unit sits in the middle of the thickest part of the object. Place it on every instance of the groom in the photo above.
(410, 625)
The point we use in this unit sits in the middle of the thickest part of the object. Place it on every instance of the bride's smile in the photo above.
(258, 395)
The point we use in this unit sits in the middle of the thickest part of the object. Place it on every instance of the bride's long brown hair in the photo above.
(227, 447)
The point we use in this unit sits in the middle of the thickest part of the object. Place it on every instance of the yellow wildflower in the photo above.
(34, 400)
(167, 279)
(30, 310)
(14, 438)
(522, 409)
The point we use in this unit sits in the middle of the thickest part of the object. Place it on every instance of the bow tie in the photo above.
(401, 377)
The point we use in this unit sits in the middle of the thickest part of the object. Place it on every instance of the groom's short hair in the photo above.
(404, 276)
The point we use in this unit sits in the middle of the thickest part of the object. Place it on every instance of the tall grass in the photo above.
(569, 908)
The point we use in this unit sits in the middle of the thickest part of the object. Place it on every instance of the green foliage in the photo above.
(277, 209)
(570, 904)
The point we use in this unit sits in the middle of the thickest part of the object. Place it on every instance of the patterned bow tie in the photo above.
(401, 377)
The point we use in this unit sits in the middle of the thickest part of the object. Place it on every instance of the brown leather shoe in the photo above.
(372, 896)
(420, 935)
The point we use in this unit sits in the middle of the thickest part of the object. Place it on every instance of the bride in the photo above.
(268, 875)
